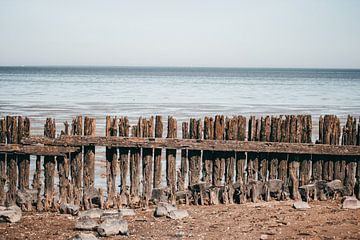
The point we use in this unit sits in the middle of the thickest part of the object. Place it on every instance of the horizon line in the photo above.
(179, 66)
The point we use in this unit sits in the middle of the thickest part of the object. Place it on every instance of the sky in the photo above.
(269, 33)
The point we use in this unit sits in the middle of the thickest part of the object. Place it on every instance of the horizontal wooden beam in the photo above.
(37, 149)
(215, 145)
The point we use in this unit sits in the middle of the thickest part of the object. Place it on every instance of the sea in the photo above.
(64, 92)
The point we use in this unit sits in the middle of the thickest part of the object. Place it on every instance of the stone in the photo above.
(25, 199)
(69, 209)
(127, 212)
(275, 187)
(11, 214)
(178, 214)
(350, 203)
(84, 236)
(111, 227)
(92, 213)
(86, 224)
(111, 214)
(264, 237)
(307, 192)
(159, 195)
(301, 205)
(163, 209)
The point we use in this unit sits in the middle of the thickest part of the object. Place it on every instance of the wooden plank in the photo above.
(49, 167)
(111, 162)
(214, 145)
(157, 152)
(89, 163)
(12, 173)
(42, 150)
(171, 160)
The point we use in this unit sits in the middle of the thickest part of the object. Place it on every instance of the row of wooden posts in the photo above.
(143, 166)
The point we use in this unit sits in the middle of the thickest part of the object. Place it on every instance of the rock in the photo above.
(350, 203)
(111, 214)
(264, 237)
(11, 214)
(86, 224)
(84, 236)
(92, 213)
(163, 209)
(127, 212)
(301, 205)
(307, 192)
(69, 209)
(178, 214)
(275, 188)
(112, 227)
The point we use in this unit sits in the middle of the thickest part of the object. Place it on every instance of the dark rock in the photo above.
(112, 227)
(11, 214)
(72, 209)
(159, 195)
(307, 192)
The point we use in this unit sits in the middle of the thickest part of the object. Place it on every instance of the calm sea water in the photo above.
(64, 92)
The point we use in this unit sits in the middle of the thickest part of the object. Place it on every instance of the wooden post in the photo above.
(63, 167)
(231, 134)
(208, 156)
(2, 162)
(305, 136)
(265, 133)
(111, 162)
(135, 167)
(148, 132)
(76, 162)
(157, 152)
(89, 163)
(219, 157)
(195, 155)
(49, 167)
(251, 171)
(23, 159)
(184, 160)
(317, 161)
(294, 161)
(124, 158)
(241, 156)
(275, 136)
(171, 160)
(283, 158)
(12, 174)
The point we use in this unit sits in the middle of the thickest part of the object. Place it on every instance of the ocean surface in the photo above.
(64, 92)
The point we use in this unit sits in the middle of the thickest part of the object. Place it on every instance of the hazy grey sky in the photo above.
(306, 33)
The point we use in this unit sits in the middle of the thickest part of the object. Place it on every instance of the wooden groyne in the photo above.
(216, 160)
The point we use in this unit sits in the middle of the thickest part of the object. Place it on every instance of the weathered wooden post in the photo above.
(111, 162)
(23, 159)
(124, 160)
(135, 167)
(195, 155)
(219, 158)
(49, 167)
(89, 163)
(241, 156)
(157, 152)
(171, 160)
(147, 163)
(208, 156)
(76, 165)
(182, 174)
(12, 174)
(231, 132)
(2, 162)
(63, 167)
